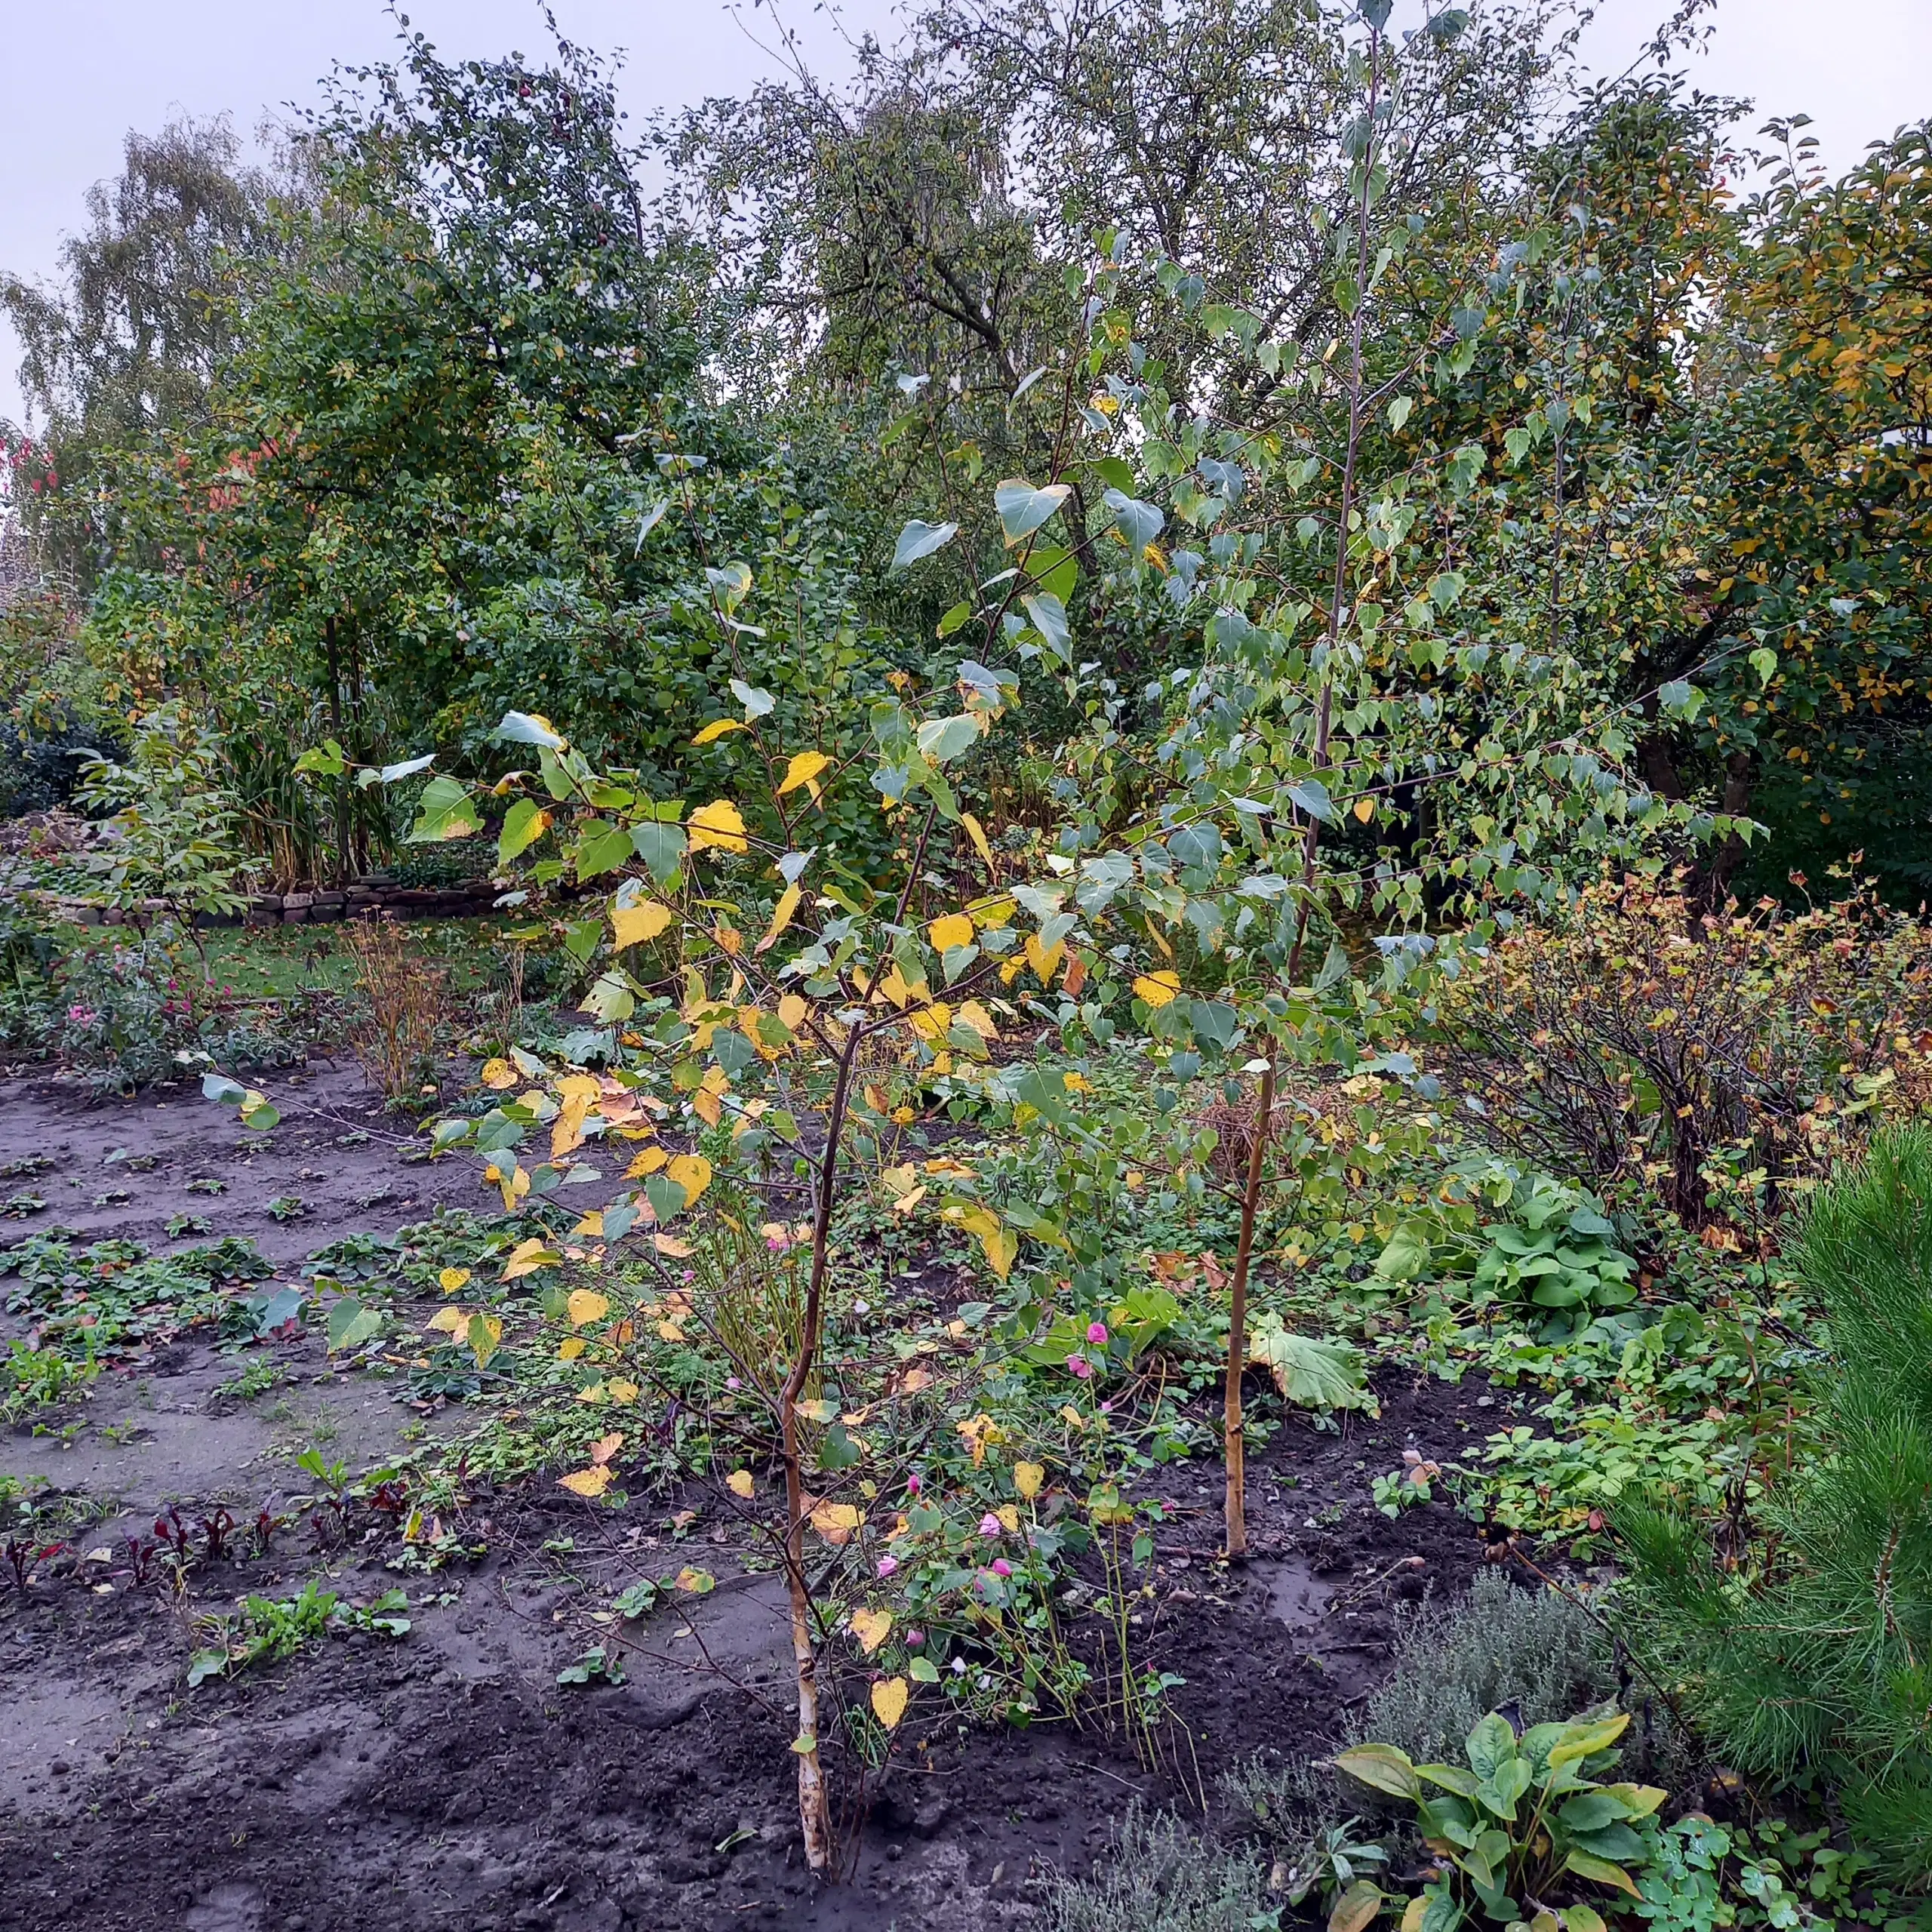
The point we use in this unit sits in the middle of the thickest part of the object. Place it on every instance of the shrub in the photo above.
(1532, 1653)
(125, 1015)
(1809, 1654)
(1158, 1876)
(402, 1009)
(1634, 1039)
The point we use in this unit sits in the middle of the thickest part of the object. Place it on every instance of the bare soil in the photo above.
(446, 1778)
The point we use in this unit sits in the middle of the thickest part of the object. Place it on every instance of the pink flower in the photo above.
(732, 1382)
(886, 1564)
(776, 1243)
(990, 1525)
(1001, 1567)
(914, 1638)
(913, 1485)
(1080, 1366)
(1096, 1332)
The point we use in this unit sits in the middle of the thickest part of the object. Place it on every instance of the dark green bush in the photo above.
(1813, 1655)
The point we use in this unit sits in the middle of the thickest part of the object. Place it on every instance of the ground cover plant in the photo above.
(1120, 1219)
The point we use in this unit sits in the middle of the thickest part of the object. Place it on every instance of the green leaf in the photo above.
(1140, 523)
(225, 1092)
(601, 847)
(757, 704)
(1115, 474)
(518, 727)
(920, 539)
(953, 619)
(1586, 1865)
(943, 738)
(1381, 1767)
(661, 848)
(1313, 1374)
(350, 1325)
(1023, 508)
(666, 1197)
(523, 824)
(444, 812)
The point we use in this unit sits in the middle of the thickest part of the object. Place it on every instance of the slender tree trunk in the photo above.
(332, 651)
(1236, 1501)
(1234, 1446)
(814, 1804)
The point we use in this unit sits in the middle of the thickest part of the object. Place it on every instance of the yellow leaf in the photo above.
(791, 1011)
(871, 1628)
(570, 1347)
(719, 824)
(567, 1130)
(730, 941)
(694, 1582)
(956, 929)
(586, 1304)
(671, 1247)
(789, 900)
(590, 1225)
(622, 1392)
(1364, 809)
(974, 1015)
(499, 1073)
(976, 832)
(450, 1279)
(802, 768)
(1157, 989)
(908, 1202)
(648, 1162)
(632, 925)
(1043, 959)
(889, 1699)
(717, 728)
(526, 1258)
(450, 1320)
(1027, 1478)
(835, 1522)
(740, 1482)
(592, 1481)
(692, 1172)
(605, 1447)
(1009, 1518)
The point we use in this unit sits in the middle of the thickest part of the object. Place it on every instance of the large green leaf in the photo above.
(1313, 1374)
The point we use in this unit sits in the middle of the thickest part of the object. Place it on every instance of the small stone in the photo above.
(60, 1768)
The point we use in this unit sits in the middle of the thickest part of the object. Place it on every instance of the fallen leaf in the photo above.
(1027, 1478)
(592, 1481)
(499, 1074)
(569, 1348)
(622, 1392)
(601, 1450)
(740, 1482)
(450, 1279)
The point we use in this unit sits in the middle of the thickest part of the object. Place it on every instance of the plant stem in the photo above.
(1234, 1447)
(814, 1807)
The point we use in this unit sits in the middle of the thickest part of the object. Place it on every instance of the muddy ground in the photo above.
(444, 1778)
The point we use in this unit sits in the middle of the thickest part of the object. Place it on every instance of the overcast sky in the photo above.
(85, 71)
